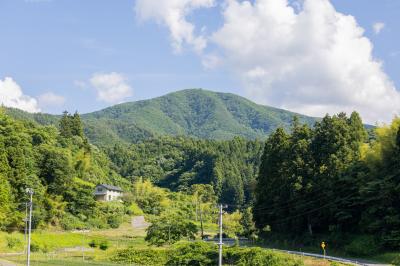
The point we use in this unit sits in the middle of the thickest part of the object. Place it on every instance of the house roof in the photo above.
(110, 187)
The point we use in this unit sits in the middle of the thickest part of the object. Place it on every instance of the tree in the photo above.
(247, 222)
(170, 228)
(6, 203)
(272, 183)
(65, 125)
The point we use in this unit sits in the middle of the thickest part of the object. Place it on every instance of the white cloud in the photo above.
(111, 87)
(11, 95)
(51, 99)
(378, 27)
(313, 60)
(173, 13)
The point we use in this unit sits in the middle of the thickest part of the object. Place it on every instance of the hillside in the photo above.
(195, 113)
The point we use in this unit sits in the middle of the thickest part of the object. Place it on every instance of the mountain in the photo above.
(194, 112)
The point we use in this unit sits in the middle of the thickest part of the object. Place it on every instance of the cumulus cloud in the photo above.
(173, 14)
(11, 95)
(313, 60)
(111, 87)
(51, 99)
(378, 27)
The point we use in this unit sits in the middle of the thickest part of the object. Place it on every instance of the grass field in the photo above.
(69, 248)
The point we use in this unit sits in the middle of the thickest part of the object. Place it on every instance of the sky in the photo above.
(309, 56)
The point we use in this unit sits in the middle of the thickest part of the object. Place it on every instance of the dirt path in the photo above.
(7, 263)
(138, 222)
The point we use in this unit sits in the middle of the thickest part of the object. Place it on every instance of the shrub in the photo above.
(204, 254)
(134, 209)
(70, 222)
(97, 222)
(100, 243)
(195, 253)
(258, 257)
(35, 247)
(170, 229)
(13, 242)
(93, 243)
(104, 245)
(114, 221)
(363, 246)
(146, 257)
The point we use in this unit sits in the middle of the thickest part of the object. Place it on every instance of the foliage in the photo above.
(147, 257)
(170, 228)
(363, 246)
(232, 225)
(203, 254)
(134, 209)
(61, 167)
(13, 242)
(193, 113)
(247, 223)
(181, 163)
(330, 180)
(151, 199)
(194, 253)
(258, 257)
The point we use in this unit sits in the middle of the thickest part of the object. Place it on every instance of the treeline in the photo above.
(178, 162)
(333, 179)
(62, 168)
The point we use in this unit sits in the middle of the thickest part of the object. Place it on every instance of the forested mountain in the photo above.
(192, 113)
(178, 163)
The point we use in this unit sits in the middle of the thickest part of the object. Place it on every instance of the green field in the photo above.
(68, 248)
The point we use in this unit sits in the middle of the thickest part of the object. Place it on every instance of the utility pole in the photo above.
(220, 236)
(201, 223)
(26, 226)
(28, 256)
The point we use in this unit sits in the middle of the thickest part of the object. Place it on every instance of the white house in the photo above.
(105, 192)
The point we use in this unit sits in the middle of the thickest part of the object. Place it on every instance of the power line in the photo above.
(288, 203)
(312, 210)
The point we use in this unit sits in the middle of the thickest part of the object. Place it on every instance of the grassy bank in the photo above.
(69, 248)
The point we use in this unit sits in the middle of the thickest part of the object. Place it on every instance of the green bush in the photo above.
(93, 243)
(97, 222)
(70, 222)
(114, 221)
(194, 253)
(363, 246)
(148, 257)
(169, 229)
(104, 245)
(35, 247)
(258, 257)
(134, 209)
(203, 254)
(13, 242)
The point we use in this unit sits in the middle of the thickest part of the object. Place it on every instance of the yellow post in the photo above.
(323, 248)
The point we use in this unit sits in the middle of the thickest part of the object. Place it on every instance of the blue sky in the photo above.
(63, 53)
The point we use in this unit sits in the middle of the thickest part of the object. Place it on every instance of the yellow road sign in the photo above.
(323, 245)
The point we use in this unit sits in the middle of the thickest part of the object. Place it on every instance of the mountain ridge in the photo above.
(194, 113)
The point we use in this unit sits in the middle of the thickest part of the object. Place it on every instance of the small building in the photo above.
(105, 192)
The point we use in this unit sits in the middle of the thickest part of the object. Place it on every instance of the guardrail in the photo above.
(319, 256)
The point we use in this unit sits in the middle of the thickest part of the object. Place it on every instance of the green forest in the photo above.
(334, 179)
(193, 113)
